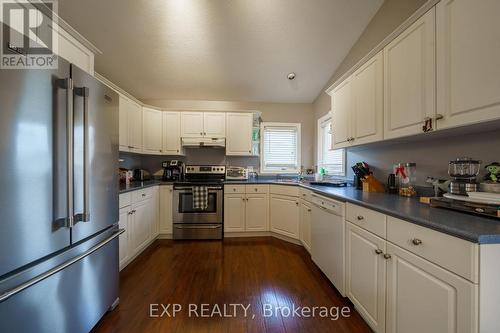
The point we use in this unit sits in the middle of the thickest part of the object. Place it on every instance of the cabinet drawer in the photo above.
(256, 189)
(290, 190)
(305, 194)
(142, 194)
(125, 199)
(368, 219)
(454, 254)
(234, 189)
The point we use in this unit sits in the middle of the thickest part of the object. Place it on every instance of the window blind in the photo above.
(280, 148)
(332, 160)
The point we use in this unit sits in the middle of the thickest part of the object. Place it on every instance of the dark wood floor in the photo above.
(253, 271)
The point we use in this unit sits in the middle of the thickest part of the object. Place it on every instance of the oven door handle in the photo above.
(190, 188)
(197, 226)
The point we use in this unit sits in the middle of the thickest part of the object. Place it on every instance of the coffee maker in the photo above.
(173, 170)
(464, 171)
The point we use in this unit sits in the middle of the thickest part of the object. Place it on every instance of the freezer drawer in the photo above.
(71, 300)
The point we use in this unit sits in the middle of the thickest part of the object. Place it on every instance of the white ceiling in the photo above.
(237, 50)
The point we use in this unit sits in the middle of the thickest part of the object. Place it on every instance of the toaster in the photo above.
(236, 173)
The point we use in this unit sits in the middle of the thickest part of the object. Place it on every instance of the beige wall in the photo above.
(279, 112)
(390, 15)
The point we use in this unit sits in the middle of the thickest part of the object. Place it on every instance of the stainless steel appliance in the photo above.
(196, 223)
(173, 170)
(58, 200)
(464, 171)
(236, 173)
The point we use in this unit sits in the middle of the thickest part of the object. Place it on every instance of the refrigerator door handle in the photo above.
(85, 216)
(68, 85)
(11, 292)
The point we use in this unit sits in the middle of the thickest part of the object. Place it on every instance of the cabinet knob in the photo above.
(255, 189)
(296, 203)
(234, 190)
(308, 209)
(378, 251)
(201, 133)
(144, 194)
(360, 217)
(387, 256)
(416, 241)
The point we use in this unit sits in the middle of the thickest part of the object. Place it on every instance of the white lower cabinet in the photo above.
(123, 223)
(408, 290)
(140, 226)
(284, 216)
(246, 208)
(139, 216)
(305, 224)
(256, 212)
(234, 212)
(166, 217)
(366, 275)
(423, 297)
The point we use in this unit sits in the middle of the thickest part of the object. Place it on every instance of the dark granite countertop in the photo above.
(136, 185)
(473, 228)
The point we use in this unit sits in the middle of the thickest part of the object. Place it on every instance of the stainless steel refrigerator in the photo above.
(58, 200)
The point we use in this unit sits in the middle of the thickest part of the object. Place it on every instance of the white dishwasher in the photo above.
(327, 238)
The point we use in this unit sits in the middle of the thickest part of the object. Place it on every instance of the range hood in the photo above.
(204, 142)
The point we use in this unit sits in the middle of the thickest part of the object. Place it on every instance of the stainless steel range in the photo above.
(192, 221)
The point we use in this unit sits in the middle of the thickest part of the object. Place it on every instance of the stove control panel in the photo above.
(205, 169)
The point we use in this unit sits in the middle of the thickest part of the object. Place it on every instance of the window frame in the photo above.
(297, 126)
(319, 153)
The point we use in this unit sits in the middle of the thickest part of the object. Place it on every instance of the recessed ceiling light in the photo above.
(291, 76)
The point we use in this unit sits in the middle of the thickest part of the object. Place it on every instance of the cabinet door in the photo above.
(468, 61)
(234, 212)
(409, 79)
(123, 105)
(368, 101)
(124, 237)
(423, 297)
(285, 215)
(305, 224)
(141, 226)
(135, 127)
(214, 124)
(239, 134)
(256, 212)
(166, 217)
(191, 124)
(171, 133)
(365, 275)
(154, 218)
(152, 131)
(342, 107)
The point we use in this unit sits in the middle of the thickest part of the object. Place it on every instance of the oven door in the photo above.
(185, 213)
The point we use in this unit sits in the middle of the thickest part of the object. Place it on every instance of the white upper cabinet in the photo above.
(239, 134)
(214, 124)
(134, 115)
(152, 131)
(203, 124)
(191, 124)
(123, 123)
(171, 144)
(130, 125)
(468, 61)
(368, 104)
(409, 79)
(342, 106)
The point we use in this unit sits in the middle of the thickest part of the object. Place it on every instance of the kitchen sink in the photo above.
(330, 184)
